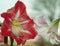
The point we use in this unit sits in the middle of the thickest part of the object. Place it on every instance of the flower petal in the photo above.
(26, 22)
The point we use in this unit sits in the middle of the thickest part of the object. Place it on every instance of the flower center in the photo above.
(16, 24)
(16, 27)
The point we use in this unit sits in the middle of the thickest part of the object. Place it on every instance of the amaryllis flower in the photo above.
(54, 31)
(17, 24)
(45, 30)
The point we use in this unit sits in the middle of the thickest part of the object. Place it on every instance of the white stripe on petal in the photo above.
(25, 31)
(16, 30)
(17, 15)
(24, 22)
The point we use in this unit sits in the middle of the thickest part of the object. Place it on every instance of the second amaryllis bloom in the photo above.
(18, 24)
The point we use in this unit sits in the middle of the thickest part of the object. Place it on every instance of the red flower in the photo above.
(17, 24)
